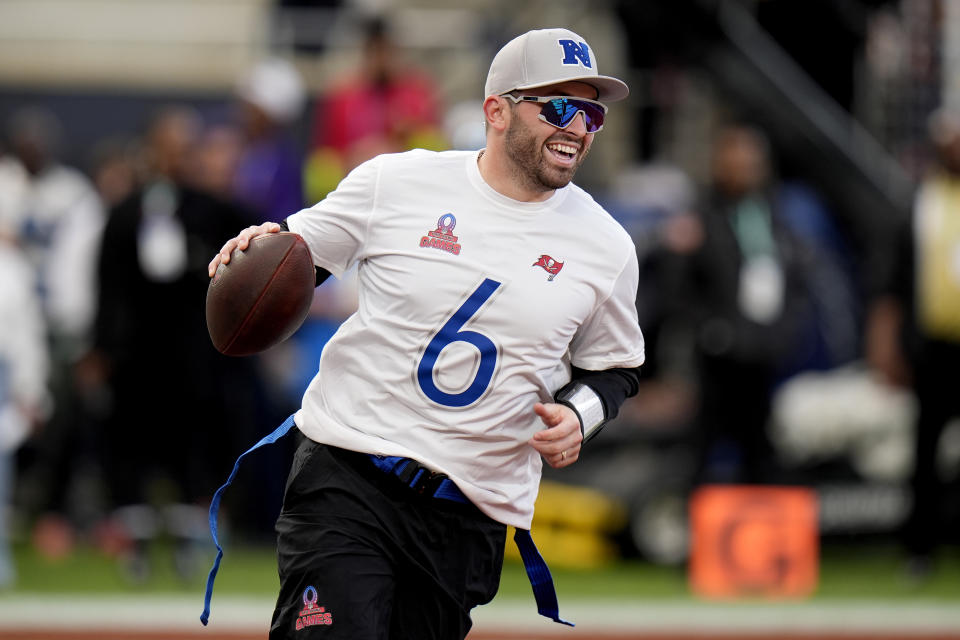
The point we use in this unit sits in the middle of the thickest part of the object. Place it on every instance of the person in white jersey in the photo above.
(496, 329)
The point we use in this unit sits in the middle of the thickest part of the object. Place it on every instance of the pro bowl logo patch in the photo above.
(442, 237)
(549, 265)
(311, 614)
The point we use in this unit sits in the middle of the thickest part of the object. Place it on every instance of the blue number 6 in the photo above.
(451, 332)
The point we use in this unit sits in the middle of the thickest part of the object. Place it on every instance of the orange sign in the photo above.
(753, 541)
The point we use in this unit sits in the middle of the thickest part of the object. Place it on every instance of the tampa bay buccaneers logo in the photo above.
(549, 265)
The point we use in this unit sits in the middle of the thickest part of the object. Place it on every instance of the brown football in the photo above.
(262, 296)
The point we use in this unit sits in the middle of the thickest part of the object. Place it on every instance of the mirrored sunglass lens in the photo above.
(560, 112)
(594, 118)
(593, 115)
(557, 112)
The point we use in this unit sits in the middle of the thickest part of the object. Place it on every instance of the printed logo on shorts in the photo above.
(442, 237)
(549, 265)
(311, 614)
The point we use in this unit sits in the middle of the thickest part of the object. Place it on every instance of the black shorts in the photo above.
(362, 557)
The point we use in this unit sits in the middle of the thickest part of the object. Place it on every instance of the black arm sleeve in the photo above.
(613, 386)
(322, 274)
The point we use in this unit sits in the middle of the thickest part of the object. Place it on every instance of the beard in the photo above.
(531, 167)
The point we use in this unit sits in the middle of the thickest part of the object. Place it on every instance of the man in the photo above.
(486, 280)
(24, 369)
(741, 298)
(267, 176)
(57, 218)
(913, 337)
(150, 292)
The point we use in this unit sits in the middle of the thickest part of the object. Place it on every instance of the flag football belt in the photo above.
(422, 481)
(419, 478)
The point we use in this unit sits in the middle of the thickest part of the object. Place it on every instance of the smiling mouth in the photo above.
(563, 151)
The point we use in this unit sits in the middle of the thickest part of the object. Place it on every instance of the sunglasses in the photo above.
(560, 111)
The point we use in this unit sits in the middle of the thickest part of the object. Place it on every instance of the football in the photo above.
(262, 296)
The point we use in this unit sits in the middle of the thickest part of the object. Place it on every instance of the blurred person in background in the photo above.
(24, 366)
(656, 204)
(58, 219)
(253, 161)
(170, 413)
(215, 160)
(268, 176)
(914, 333)
(385, 106)
(24, 356)
(116, 169)
(741, 302)
(13, 185)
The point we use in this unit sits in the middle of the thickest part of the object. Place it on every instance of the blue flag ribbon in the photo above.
(539, 575)
(278, 433)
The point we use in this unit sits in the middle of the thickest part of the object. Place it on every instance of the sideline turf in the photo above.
(846, 572)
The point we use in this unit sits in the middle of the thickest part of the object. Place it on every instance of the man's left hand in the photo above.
(559, 443)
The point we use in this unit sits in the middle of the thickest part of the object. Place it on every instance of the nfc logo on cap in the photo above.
(575, 53)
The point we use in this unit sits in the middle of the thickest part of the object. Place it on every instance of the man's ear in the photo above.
(496, 112)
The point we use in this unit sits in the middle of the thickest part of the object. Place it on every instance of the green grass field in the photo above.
(846, 572)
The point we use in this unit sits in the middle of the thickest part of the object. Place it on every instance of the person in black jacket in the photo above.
(742, 301)
(175, 403)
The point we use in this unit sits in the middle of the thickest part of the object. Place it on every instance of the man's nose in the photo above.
(579, 125)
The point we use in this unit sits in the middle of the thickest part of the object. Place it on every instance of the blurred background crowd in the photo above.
(789, 171)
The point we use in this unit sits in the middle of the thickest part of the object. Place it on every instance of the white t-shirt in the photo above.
(24, 363)
(472, 307)
(60, 218)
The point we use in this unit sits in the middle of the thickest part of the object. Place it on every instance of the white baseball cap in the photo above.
(549, 56)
